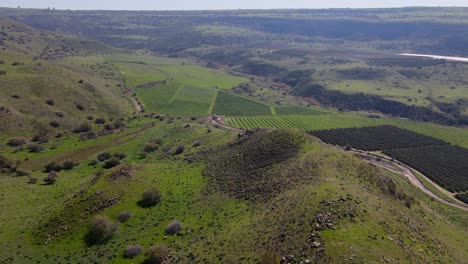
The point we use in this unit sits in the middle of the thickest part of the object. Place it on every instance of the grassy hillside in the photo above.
(237, 199)
(39, 89)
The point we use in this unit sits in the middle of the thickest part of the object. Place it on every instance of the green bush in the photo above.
(150, 198)
(100, 231)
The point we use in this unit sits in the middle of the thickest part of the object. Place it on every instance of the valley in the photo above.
(248, 136)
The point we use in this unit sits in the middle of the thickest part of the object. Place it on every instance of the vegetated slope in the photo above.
(40, 95)
(313, 203)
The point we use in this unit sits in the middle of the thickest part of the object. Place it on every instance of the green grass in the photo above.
(155, 99)
(137, 74)
(454, 135)
(231, 104)
(194, 75)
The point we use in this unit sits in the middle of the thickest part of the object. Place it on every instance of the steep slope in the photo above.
(37, 89)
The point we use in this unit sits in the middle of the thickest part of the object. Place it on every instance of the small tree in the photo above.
(150, 198)
(100, 230)
(156, 255)
(132, 251)
(174, 228)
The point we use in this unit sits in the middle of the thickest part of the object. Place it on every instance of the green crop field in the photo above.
(158, 97)
(137, 74)
(191, 100)
(194, 75)
(231, 104)
(297, 110)
(454, 135)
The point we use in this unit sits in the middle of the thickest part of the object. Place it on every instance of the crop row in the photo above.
(445, 164)
(304, 122)
(376, 138)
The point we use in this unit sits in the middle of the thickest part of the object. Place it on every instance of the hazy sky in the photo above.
(222, 4)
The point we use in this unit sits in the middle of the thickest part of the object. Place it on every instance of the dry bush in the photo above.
(51, 178)
(174, 228)
(111, 163)
(123, 217)
(132, 251)
(16, 142)
(35, 148)
(156, 255)
(23, 172)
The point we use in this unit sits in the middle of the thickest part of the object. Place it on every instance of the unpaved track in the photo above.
(403, 169)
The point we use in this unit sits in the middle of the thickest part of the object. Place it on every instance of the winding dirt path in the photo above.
(406, 171)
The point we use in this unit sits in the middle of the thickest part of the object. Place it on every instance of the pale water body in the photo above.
(437, 57)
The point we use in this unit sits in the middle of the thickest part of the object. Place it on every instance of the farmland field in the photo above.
(297, 110)
(157, 98)
(231, 104)
(445, 164)
(191, 101)
(376, 138)
(454, 135)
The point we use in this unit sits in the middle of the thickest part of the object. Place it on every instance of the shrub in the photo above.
(151, 147)
(23, 172)
(132, 251)
(100, 121)
(53, 166)
(120, 155)
(35, 148)
(51, 178)
(156, 255)
(109, 126)
(104, 156)
(93, 162)
(123, 217)
(348, 147)
(68, 165)
(32, 180)
(85, 127)
(174, 228)
(40, 138)
(60, 114)
(197, 143)
(5, 162)
(54, 124)
(150, 198)
(179, 150)
(100, 230)
(50, 102)
(90, 117)
(111, 163)
(79, 107)
(16, 142)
